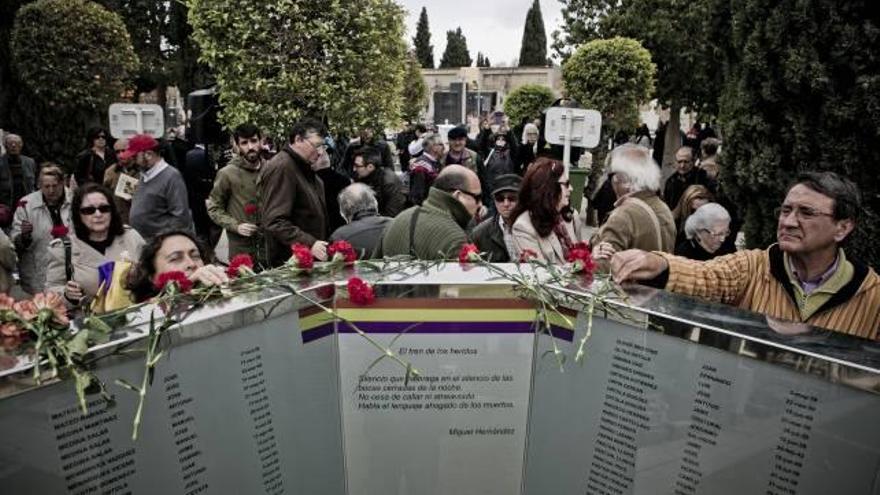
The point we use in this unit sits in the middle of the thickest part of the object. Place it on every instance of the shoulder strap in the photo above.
(68, 261)
(641, 203)
(412, 230)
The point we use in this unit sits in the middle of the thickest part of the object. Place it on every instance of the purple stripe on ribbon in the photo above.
(318, 332)
(105, 275)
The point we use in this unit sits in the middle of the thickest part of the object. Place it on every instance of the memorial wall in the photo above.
(273, 395)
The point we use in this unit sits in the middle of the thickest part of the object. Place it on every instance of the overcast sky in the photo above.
(494, 27)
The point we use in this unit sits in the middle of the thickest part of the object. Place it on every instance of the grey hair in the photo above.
(704, 217)
(633, 165)
(431, 138)
(356, 198)
(9, 136)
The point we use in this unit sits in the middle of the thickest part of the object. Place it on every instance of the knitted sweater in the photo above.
(756, 280)
(160, 204)
(439, 231)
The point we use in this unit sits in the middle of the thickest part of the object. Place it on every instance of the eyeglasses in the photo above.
(319, 147)
(800, 212)
(100, 136)
(478, 197)
(90, 210)
(509, 197)
(359, 165)
(717, 235)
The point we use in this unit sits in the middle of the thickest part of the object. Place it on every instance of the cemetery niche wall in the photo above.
(268, 393)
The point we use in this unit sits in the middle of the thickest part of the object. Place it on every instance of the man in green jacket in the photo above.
(233, 203)
(437, 228)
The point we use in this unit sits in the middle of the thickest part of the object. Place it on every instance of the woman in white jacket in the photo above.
(38, 216)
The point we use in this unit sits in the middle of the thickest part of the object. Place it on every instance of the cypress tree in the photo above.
(482, 60)
(534, 41)
(422, 42)
(456, 53)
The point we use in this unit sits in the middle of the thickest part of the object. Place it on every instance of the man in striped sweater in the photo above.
(804, 277)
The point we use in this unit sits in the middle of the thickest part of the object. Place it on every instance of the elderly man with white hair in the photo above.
(364, 226)
(705, 232)
(640, 219)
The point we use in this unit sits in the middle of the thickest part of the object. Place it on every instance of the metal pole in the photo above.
(463, 101)
(566, 150)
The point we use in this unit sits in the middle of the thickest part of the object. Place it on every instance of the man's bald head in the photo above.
(463, 184)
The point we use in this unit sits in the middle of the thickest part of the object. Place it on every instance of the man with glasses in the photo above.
(686, 175)
(292, 202)
(805, 277)
(437, 228)
(493, 235)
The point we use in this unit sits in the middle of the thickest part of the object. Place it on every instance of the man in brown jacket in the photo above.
(292, 196)
(805, 277)
(640, 219)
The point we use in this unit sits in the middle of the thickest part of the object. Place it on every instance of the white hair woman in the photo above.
(705, 232)
(640, 219)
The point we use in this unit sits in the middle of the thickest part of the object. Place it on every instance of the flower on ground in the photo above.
(302, 256)
(469, 253)
(360, 292)
(59, 231)
(240, 264)
(251, 209)
(177, 277)
(342, 250)
(526, 255)
(581, 258)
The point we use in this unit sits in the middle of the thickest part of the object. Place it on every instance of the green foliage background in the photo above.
(533, 52)
(275, 63)
(422, 41)
(802, 93)
(69, 72)
(415, 91)
(528, 100)
(456, 53)
(612, 76)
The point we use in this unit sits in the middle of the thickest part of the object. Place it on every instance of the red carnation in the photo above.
(360, 292)
(59, 231)
(177, 277)
(345, 251)
(580, 256)
(250, 209)
(21, 203)
(240, 263)
(469, 253)
(325, 292)
(526, 255)
(302, 256)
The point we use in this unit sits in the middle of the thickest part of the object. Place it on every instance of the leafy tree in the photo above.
(682, 42)
(612, 76)
(422, 41)
(534, 41)
(92, 63)
(802, 93)
(184, 68)
(9, 88)
(415, 91)
(528, 101)
(482, 60)
(456, 53)
(279, 61)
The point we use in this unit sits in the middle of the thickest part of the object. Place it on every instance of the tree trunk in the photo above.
(671, 142)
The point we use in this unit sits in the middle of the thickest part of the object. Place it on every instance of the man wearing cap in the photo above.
(114, 174)
(458, 153)
(493, 235)
(160, 202)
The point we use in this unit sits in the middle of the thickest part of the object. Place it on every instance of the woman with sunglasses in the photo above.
(98, 237)
(94, 160)
(545, 227)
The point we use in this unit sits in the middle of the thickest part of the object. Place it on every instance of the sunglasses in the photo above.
(90, 210)
(477, 196)
(500, 198)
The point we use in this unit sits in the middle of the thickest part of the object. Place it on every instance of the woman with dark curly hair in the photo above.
(545, 227)
(98, 237)
(173, 250)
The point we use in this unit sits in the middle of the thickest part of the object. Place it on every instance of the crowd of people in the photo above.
(501, 190)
